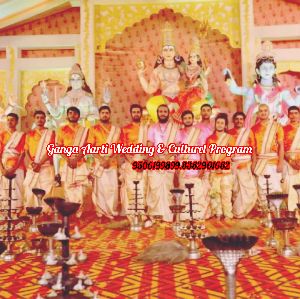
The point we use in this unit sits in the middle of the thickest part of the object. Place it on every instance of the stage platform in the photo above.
(112, 266)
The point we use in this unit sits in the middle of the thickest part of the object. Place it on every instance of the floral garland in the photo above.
(258, 91)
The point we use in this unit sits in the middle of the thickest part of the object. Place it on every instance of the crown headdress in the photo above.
(76, 69)
(266, 51)
(167, 35)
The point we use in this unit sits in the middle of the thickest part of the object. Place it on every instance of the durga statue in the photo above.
(78, 94)
(265, 90)
(195, 92)
(173, 82)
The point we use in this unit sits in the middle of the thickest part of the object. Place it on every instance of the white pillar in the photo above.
(87, 53)
(247, 41)
(77, 53)
(12, 74)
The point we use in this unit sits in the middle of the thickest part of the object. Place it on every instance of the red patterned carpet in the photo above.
(112, 266)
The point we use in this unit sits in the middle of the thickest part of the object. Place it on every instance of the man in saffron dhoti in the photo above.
(221, 180)
(104, 167)
(245, 189)
(206, 127)
(133, 133)
(78, 95)
(292, 156)
(40, 171)
(12, 161)
(160, 182)
(205, 124)
(191, 135)
(268, 136)
(74, 172)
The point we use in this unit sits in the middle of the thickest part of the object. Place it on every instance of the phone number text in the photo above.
(181, 165)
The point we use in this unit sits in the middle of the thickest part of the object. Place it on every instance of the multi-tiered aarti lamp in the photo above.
(192, 232)
(138, 209)
(229, 248)
(64, 284)
(10, 224)
(33, 212)
(36, 210)
(267, 221)
(285, 225)
(49, 229)
(276, 200)
(176, 209)
(51, 202)
(39, 194)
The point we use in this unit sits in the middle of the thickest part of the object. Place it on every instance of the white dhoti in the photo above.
(17, 190)
(56, 163)
(221, 194)
(274, 183)
(159, 197)
(200, 205)
(43, 180)
(206, 188)
(127, 191)
(75, 183)
(291, 177)
(105, 193)
(245, 192)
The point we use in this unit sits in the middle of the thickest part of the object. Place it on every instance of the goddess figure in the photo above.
(78, 94)
(266, 88)
(166, 77)
(195, 76)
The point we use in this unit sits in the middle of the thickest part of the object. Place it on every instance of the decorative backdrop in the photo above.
(143, 40)
(113, 19)
(275, 12)
(47, 53)
(67, 21)
(30, 78)
(55, 90)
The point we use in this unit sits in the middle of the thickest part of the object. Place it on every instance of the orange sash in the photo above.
(266, 153)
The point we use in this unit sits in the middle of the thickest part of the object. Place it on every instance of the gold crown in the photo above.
(167, 35)
(196, 46)
(76, 69)
(266, 51)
